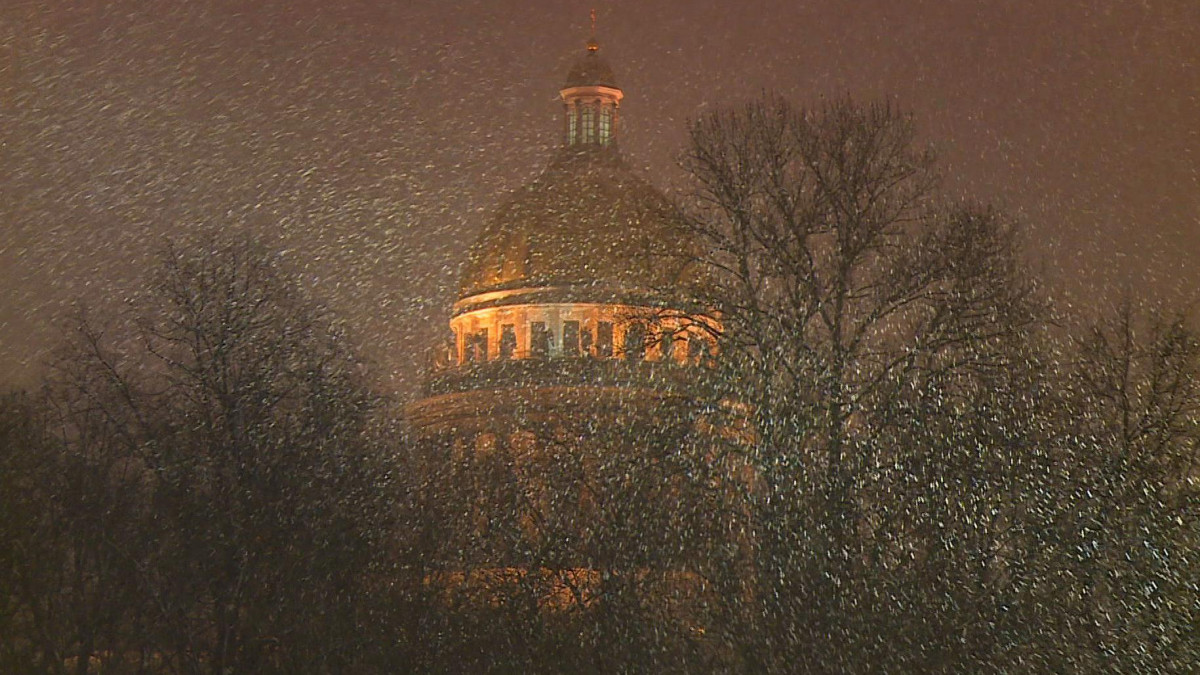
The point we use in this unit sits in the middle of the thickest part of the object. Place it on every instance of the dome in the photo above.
(587, 220)
(591, 70)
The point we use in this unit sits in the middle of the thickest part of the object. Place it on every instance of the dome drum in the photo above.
(577, 330)
(593, 293)
(467, 409)
(628, 376)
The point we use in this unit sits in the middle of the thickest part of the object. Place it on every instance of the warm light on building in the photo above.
(580, 268)
(577, 330)
(570, 316)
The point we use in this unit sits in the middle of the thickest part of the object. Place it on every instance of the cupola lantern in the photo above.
(591, 99)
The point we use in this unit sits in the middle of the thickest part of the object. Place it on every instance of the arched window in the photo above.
(667, 344)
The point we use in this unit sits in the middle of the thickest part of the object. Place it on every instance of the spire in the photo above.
(592, 45)
(591, 98)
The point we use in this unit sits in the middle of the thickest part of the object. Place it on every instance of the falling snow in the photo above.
(370, 139)
(947, 427)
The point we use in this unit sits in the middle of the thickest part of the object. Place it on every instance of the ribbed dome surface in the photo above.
(590, 70)
(586, 220)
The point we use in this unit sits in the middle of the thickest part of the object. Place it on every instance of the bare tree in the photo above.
(873, 332)
(584, 544)
(31, 560)
(73, 506)
(238, 420)
(1129, 511)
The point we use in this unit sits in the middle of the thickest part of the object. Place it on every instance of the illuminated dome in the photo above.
(569, 300)
(591, 70)
(586, 221)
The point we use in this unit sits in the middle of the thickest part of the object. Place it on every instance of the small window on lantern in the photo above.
(589, 123)
(605, 126)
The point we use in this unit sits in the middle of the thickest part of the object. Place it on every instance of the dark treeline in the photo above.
(902, 461)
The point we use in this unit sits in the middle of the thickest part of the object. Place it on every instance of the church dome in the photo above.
(591, 70)
(588, 220)
(571, 296)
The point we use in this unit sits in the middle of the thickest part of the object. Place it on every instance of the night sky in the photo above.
(370, 139)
